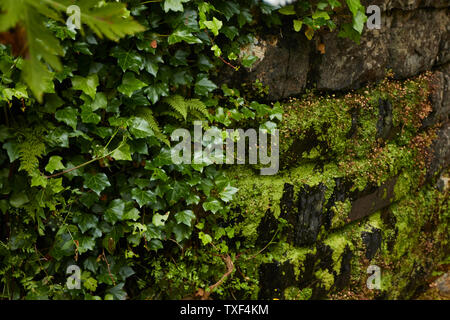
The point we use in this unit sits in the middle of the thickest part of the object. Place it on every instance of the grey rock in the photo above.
(386, 5)
(409, 42)
(443, 285)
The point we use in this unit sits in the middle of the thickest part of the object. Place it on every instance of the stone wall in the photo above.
(364, 174)
(414, 37)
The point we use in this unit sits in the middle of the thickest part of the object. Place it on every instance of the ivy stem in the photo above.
(86, 163)
(150, 1)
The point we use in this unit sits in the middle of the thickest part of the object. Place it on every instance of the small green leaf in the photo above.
(185, 216)
(213, 205)
(227, 194)
(298, 25)
(174, 5)
(115, 210)
(130, 84)
(88, 116)
(127, 59)
(204, 85)
(183, 35)
(18, 199)
(68, 115)
(213, 25)
(206, 238)
(88, 85)
(140, 128)
(96, 182)
(122, 153)
(160, 220)
(287, 10)
(12, 149)
(54, 163)
(142, 197)
(132, 214)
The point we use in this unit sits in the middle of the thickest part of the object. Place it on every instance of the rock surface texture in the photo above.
(364, 173)
(414, 37)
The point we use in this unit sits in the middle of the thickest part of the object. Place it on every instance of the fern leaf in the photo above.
(147, 114)
(197, 105)
(172, 114)
(31, 150)
(178, 103)
(106, 19)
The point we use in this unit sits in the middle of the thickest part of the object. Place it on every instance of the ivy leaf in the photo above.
(132, 214)
(287, 10)
(321, 14)
(90, 283)
(185, 216)
(117, 292)
(213, 205)
(130, 84)
(178, 191)
(142, 197)
(18, 199)
(181, 232)
(115, 210)
(54, 163)
(85, 243)
(86, 221)
(12, 149)
(249, 60)
(230, 32)
(214, 25)
(179, 58)
(298, 25)
(204, 85)
(174, 5)
(183, 35)
(192, 199)
(159, 220)
(155, 244)
(100, 101)
(127, 59)
(140, 128)
(122, 153)
(68, 115)
(228, 8)
(88, 85)
(152, 64)
(96, 182)
(358, 21)
(227, 194)
(206, 238)
(87, 116)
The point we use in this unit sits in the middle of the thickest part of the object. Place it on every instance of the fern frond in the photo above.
(196, 115)
(172, 114)
(178, 103)
(31, 149)
(147, 115)
(197, 105)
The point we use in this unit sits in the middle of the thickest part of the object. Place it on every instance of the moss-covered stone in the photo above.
(356, 196)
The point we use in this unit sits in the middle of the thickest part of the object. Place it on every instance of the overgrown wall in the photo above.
(363, 162)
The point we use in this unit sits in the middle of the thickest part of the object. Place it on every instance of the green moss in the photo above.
(341, 210)
(338, 242)
(325, 278)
